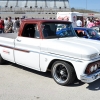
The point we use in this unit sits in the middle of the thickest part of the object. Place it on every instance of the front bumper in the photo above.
(90, 78)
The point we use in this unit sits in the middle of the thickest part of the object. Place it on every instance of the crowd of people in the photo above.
(88, 22)
(8, 25)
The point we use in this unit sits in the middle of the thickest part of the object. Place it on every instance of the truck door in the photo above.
(27, 47)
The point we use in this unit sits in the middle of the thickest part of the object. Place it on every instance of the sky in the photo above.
(85, 4)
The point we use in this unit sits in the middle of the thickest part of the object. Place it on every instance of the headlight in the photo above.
(95, 67)
(91, 69)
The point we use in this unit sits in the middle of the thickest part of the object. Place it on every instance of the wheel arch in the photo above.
(2, 61)
(51, 63)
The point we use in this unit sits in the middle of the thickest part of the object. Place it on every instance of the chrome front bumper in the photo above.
(90, 78)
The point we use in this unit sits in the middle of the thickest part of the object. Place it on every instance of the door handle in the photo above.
(18, 40)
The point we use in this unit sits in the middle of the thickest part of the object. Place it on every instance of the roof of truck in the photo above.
(42, 20)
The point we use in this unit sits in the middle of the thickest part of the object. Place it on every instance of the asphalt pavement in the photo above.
(20, 83)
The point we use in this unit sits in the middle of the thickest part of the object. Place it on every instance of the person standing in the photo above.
(14, 24)
(90, 24)
(87, 21)
(9, 28)
(5, 22)
(1, 25)
(79, 23)
(17, 24)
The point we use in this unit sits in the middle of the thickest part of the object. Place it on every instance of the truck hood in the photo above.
(74, 47)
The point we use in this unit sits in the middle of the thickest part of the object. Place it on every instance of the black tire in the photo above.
(2, 61)
(63, 73)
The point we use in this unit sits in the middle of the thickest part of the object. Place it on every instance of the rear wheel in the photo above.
(2, 61)
(63, 73)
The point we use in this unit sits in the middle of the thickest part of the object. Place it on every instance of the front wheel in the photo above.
(63, 73)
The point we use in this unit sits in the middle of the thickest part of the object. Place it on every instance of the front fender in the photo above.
(79, 66)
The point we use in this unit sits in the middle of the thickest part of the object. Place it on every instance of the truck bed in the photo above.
(9, 35)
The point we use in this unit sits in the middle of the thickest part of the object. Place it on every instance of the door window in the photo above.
(31, 31)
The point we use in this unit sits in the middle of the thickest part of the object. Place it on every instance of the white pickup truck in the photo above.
(39, 46)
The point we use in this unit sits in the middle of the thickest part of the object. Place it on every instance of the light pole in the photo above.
(86, 6)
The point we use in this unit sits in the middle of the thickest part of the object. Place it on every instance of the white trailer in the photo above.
(70, 16)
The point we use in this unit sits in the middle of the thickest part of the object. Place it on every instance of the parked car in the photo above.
(87, 33)
(59, 27)
(97, 28)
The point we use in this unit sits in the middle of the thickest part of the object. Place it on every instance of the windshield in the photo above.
(57, 30)
(92, 33)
